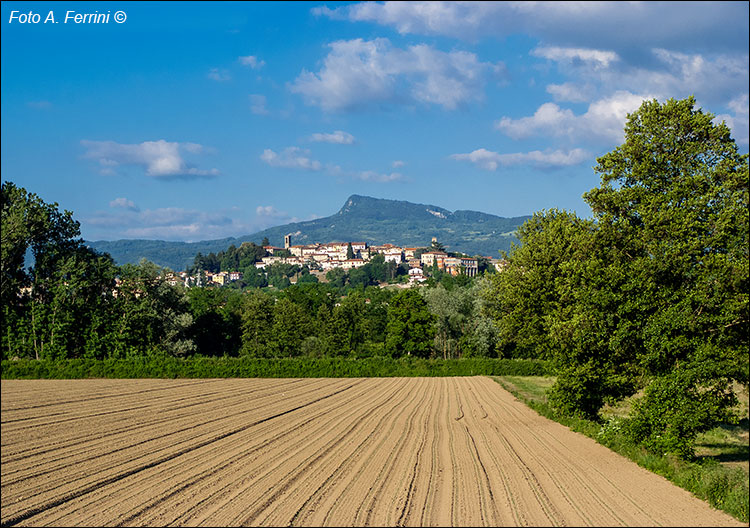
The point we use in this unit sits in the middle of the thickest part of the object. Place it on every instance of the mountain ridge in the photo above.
(360, 219)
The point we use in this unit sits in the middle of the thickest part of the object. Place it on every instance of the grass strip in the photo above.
(723, 488)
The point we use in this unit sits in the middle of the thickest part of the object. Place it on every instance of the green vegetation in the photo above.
(723, 486)
(650, 297)
(246, 367)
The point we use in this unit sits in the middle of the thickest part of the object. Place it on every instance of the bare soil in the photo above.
(312, 452)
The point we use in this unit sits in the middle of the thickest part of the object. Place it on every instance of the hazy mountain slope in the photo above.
(361, 219)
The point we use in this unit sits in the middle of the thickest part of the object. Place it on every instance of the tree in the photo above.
(155, 316)
(291, 325)
(63, 305)
(349, 251)
(523, 297)
(676, 194)
(451, 312)
(28, 223)
(345, 326)
(337, 278)
(257, 325)
(216, 328)
(409, 330)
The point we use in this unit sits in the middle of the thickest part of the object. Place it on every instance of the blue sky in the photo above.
(194, 121)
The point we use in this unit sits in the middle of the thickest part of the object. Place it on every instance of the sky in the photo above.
(193, 121)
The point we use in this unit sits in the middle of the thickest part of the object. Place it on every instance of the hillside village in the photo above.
(324, 257)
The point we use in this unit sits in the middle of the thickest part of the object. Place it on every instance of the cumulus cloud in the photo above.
(258, 104)
(695, 48)
(161, 159)
(252, 61)
(599, 58)
(489, 160)
(339, 136)
(398, 163)
(359, 73)
(123, 203)
(739, 123)
(215, 74)
(716, 25)
(291, 158)
(571, 92)
(604, 120)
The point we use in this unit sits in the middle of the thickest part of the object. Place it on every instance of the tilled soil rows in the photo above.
(312, 452)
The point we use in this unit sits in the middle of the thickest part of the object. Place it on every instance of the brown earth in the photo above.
(312, 452)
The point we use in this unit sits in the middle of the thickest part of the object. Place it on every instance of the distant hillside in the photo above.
(361, 219)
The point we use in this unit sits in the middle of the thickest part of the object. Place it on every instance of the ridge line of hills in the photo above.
(360, 219)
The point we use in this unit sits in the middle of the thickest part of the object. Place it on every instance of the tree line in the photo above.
(77, 303)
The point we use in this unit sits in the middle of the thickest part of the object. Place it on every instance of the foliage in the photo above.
(461, 326)
(155, 366)
(217, 320)
(675, 408)
(410, 328)
(522, 298)
(676, 193)
(653, 293)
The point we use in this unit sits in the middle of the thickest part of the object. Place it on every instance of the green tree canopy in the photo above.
(410, 329)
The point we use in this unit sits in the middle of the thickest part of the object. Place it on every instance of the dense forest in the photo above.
(649, 296)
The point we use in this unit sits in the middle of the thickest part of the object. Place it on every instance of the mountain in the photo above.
(361, 219)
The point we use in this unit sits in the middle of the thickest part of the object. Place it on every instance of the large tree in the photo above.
(62, 305)
(675, 196)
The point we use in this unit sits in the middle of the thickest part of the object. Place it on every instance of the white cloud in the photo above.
(269, 211)
(358, 73)
(339, 136)
(666, 49)
(715, 25)
(489, 160)
(373, 176)
(739, 123)
(161, 159)
(398, 163)
(603, 121)
(291, 158)
(258, 104)
(216, 74)
(123, 203)
(599, 58)
(168, 223)
(252, 61)
(570, 92)
(713, 78)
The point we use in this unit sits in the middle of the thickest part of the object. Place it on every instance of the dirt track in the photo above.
(346, 452)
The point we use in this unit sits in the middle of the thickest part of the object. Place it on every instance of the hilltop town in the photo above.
(321, 258)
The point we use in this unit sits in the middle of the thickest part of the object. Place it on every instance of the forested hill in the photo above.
(361, 219)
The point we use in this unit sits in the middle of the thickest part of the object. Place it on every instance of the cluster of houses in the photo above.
(348, 255)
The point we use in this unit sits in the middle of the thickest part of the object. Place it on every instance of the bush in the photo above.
(674, 409)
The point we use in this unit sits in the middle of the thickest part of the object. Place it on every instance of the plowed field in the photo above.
(315, 452)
